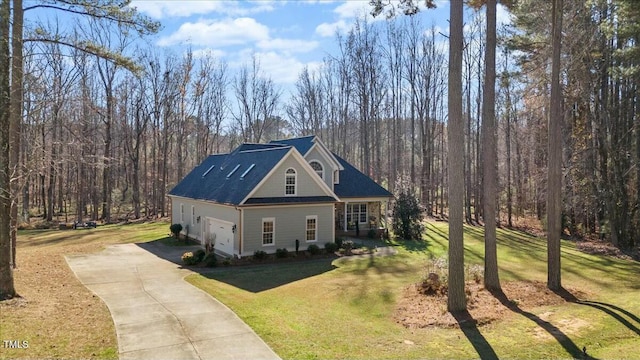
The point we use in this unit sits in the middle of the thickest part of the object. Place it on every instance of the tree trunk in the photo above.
(7, 289)
(15, 119)
(457, 299)
(489, 156)
(554, 184)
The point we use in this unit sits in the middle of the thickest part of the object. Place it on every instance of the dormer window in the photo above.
(290, 178)
(317, 167)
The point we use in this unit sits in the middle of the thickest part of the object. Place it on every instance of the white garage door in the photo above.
(222, 232)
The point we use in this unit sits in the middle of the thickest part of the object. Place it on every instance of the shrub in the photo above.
(210, 260)
(199, 255)
(407, 216)
(189, 258)
(259, 255)
(175, 229)
(339, 242)
(372, 234)
(313, 249)
(435, 280)
(330, 247)
(226, 262)
(282, 253)
(347, 245)
(474, 273)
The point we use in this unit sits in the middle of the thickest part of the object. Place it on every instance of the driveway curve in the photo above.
(157, 314)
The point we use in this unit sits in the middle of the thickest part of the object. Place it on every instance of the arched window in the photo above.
(317, 167)
(290, 182)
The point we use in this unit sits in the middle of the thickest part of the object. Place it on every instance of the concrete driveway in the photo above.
(157, 314)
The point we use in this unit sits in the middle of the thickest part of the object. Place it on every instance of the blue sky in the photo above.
(284, 35)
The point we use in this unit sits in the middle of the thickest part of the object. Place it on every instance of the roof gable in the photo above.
(305, 144)
(308, 183)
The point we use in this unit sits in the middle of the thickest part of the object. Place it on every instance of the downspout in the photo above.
(240, 231)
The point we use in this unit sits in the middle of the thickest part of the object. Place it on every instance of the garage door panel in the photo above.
(222, 232)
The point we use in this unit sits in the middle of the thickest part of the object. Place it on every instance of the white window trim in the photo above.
(359, 204)
(315, 217)
(181, 213)
(193, 215)
(295, 182)
(273, 242)
(321, 168)
(336, 176)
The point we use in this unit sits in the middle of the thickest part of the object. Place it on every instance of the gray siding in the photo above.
(203, 209)
(290, 224)
(274, 185)
(326, 165)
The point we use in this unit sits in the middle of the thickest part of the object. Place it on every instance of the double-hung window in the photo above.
(312, 228)
(268, 231)
(357, 212)
(290, 178)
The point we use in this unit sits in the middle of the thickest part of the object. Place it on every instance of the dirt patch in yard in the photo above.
(417, 310)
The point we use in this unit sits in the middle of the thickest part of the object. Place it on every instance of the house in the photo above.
(267, 196)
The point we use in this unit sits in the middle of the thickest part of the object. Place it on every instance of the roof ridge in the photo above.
(275, 147)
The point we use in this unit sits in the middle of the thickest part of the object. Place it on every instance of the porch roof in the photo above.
(355, 184)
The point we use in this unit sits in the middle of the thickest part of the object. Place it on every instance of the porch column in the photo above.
(386, 211)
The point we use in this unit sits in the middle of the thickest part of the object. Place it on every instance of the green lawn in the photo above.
(343, 308)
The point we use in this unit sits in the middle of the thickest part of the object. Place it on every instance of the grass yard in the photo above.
(346, 308)
(56, 314)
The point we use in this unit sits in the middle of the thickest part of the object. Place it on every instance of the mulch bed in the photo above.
(416, 310)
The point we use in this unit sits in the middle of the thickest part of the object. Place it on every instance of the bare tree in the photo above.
(7, 289)
(257, 99)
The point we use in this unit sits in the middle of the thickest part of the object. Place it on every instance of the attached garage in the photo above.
(222, 233)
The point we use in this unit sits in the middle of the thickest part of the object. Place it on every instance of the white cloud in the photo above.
(346, 13)
(353, 9)
(281, 68)
(288, 45)
(159, 9)
(218, 33)
(330, 29)
(503, 16)
(214, 53)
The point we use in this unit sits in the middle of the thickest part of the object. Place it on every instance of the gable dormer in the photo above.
(321, 160)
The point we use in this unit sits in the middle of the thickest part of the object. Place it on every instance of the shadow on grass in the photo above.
(258, 278)
(614, 311)
(562, 338)
(469, 327)
(252, 277)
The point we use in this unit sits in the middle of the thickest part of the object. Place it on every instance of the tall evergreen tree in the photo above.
(457, 299)
(554, 190)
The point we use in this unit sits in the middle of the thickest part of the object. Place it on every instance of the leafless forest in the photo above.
(102, 139)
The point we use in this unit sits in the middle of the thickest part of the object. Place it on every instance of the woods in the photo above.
(108, 124)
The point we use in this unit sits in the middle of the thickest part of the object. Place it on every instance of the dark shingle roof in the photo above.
(353, 183)
(302, 144)
(215, 180)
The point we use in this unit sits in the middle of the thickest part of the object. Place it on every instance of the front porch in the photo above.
(362, 218)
